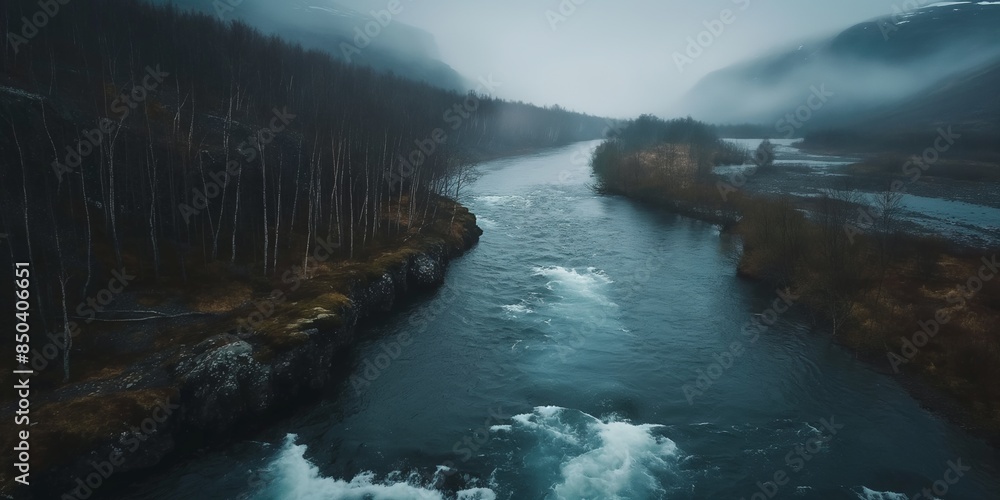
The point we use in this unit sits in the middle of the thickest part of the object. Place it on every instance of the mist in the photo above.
(614, 58)
(847, 86)
(624, 59)
(505, 249)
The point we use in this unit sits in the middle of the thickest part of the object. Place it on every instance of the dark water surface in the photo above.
(553, 364)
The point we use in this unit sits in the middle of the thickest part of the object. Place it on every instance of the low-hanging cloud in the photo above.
(614, 58)
(609, 58)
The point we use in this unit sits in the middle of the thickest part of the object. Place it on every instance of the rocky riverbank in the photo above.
(94, 436)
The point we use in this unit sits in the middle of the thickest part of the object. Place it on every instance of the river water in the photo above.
(590, 348)
(965, 212)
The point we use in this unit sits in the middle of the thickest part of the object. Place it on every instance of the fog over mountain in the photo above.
(614, 58)
(380, 41)
(609, 58)
(936, 59)
(500, 249)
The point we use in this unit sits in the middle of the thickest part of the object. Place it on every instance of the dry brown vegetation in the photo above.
(874, 295)
(73, 424)
(872, 288)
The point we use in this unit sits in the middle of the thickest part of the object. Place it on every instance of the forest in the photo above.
(177, 147)
(648, 155)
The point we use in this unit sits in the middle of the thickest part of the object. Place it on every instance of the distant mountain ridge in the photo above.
(910, 69)
(380, 41)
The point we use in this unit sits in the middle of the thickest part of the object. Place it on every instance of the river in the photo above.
(562, 359)
(965, 212)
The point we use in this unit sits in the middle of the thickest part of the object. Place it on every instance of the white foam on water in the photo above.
(523, 307)
(293, 477)
(607, 459)
(476, 494)
(589, 283)
(545, 420)
(870, 494)
(507, 201)
(486, 222)
(516, 310)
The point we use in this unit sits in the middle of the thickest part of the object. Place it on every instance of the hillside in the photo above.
(911, 68)
(947, 102)
(183, 187)
(340, 31)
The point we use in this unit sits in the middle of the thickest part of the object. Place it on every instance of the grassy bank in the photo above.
(668, 163)
(915, 307)
(920, 308)
(125, 370)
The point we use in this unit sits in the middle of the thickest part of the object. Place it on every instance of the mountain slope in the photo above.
(869, 68)
(960, 100)
(340, 31)
(211, 169)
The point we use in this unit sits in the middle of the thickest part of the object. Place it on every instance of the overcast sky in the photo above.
(613, 58)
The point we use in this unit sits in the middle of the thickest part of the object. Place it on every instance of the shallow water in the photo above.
(973, 222)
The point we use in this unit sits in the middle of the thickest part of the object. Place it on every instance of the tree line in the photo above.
(164, 141)
(648, 152)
